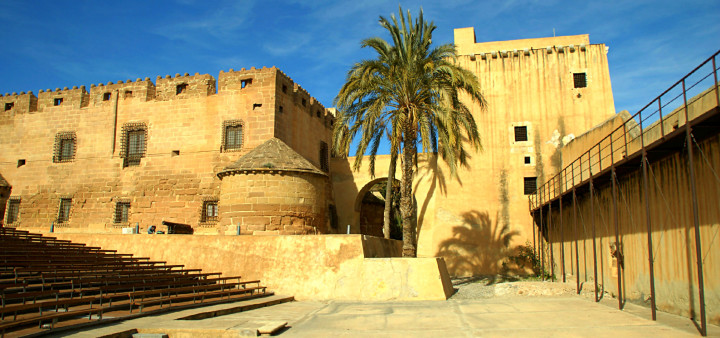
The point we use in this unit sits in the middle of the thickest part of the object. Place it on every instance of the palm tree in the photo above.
(412, 92)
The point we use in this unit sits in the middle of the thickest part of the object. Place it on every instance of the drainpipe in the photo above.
(116, 95)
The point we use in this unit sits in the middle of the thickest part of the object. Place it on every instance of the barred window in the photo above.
(122, 209)
(209, 211)
(64, 210)
(13, 210)
(530, 185)
(64, 147)
(324, 165)
(232, 135)
(133, 143)
(521, 133)
(580, 80)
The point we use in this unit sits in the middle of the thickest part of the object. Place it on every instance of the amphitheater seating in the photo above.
(46, 283)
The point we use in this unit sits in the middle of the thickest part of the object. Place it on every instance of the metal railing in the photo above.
(649, 124)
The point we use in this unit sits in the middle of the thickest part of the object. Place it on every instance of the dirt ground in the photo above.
(498, 286)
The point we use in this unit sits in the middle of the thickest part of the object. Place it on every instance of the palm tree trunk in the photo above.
(389, 193)
(407, 207)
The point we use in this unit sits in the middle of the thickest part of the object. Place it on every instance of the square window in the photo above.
(318, 113)
(64, 210)
(106, 96)
(181, 88)
(9, 105)
(175, 153)
(527, 159)
(13, 212)
(324, 165)
(580, 80)
(21, 162)
(210, 211)
(245, 83)
(64, 147)
(57, 101)
(122, 210)
(128, 94)
(232, 136)
(280, 109)
(521, 134)
(284, 89)
(257, 105)
(530, 185)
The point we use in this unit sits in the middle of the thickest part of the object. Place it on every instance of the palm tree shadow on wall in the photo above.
(477, 245)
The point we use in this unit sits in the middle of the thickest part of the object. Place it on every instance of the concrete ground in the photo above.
(554, 316)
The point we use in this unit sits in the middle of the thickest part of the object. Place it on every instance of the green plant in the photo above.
(527, 258)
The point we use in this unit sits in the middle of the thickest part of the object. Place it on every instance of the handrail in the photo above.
(551, 189)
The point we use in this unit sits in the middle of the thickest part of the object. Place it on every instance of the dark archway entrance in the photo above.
(371, 206)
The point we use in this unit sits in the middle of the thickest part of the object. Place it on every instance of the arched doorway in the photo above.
(370, 204)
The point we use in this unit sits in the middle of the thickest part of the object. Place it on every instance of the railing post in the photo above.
(592, 224)
(542, 249)
(577, 250)
(717, 90)
(649, 224)
(619, 257)
(662, 125)
(562, 241)
(550, 243)
(696, 218)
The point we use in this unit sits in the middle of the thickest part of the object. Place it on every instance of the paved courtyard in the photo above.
(561, 316)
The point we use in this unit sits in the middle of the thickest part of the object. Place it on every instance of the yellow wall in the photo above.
(474, 222)
(338, 267)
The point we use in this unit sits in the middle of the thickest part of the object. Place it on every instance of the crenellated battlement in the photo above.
(142, 90)
(63, 98)
(184, 86)
(18, 103)
(167, 88)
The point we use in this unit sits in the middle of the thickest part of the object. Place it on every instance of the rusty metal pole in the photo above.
(577, 251)
(618, 246)
(696, 218)
(648, 221)
(562, 242)
(542, 249)
(550, 243)
(592, 224)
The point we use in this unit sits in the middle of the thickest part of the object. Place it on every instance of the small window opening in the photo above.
(122, 210)
(324, 165)
(304, 103)
(210, 211)
(181, 88)
(245, 83)
(128, 94)
(530, 185)
(175, 153)
(280, 109)
(13, 211)
(9, 105)
(318, 114)
(233, 136)
(284, 89)
(58, 101)
(521, 134)
(580, 80)
(257, 105)
(64, 210)
(21, 163)
(106, 96)
(527, 159)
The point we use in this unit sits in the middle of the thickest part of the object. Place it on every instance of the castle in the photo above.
(248, 153)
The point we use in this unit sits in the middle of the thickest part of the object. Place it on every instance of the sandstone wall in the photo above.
(285, 203)
(184, 117)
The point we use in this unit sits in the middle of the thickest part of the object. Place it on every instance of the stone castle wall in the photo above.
(183, 153)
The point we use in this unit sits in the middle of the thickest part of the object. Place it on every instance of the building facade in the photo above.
(251, 150)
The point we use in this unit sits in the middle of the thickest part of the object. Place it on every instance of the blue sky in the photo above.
(49, 44)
